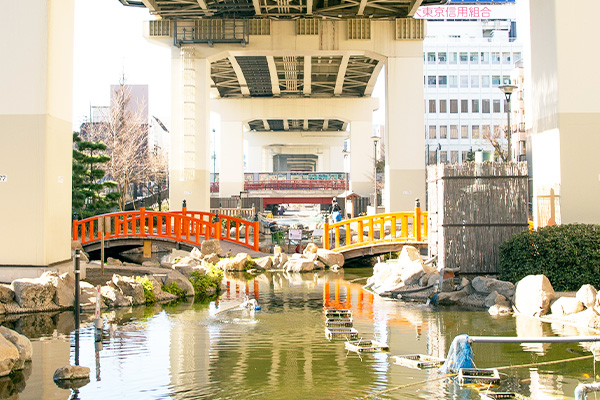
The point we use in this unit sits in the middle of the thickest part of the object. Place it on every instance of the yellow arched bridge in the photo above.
(187, 228)
(376, 234)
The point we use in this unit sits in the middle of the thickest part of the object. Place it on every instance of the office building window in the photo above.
(464, 131)
(475, 106)
(495, 57)
(516, 56)
(464, 81)
(453, 81)
(453, 58)
(442, 58)
(432, 159)
(485, 131)
(454, 157)
(485, 106)
(443, 132)
(506, 80)
(443, 156)
(484, 57)
(431, 106)
(485, 81)
(496, 131)
(431, 58)
(464, 106)
(432, 132)
(443, 80)
(443, 106)
(496, 105)
(465, 155)
(495, 80)
(464, 57)
(453, 131)
(474, 81)
(475, 131)
(505, 58)
(473, 58)
(431, 80)
(454, 106)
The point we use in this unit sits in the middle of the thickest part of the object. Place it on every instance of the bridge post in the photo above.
(142, 220)
(326, 236)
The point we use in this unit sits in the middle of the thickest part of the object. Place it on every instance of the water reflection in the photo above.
(197, 350)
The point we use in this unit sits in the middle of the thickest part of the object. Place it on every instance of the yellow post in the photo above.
(326, 236)
(147, 248)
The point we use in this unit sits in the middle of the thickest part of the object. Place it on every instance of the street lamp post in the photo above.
(375, 140)
(508, 90)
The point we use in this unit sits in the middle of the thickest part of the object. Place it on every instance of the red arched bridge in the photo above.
(183, 228)
(371, 235)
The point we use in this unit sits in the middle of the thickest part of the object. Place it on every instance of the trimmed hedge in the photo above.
(569, 256)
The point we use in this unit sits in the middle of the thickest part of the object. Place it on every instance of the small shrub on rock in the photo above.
(175, 289)
(148, 289)
(201, 281)
(569, 256)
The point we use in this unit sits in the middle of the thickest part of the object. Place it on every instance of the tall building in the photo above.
(469, 51)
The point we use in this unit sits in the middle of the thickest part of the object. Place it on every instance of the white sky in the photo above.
(109, 42)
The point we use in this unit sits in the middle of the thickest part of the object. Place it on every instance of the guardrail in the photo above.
(399, 227)
(297, 184)
(183, 226)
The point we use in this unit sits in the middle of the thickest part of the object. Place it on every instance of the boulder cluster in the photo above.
(15, 351)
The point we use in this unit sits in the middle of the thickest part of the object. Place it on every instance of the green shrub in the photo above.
(569, 255)
(175, 289)
(202, 281)
(148, 289)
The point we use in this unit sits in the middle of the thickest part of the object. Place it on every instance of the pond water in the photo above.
(198, 351)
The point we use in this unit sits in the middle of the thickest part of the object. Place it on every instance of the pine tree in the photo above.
(90, 196)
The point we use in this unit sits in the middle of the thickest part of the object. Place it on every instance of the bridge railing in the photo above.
(183, 226)
(405, 227)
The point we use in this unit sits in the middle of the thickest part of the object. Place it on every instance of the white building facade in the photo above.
(464, 63)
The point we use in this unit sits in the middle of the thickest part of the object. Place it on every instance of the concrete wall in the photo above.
(566, 109)
(35, 132)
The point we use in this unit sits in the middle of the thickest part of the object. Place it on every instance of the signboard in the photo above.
(3, 178)
(466, 12)
(295, 234)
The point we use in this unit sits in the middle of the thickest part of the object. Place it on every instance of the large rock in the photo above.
(71, 372)
(310, 248)
(487, 285)
(114, 261)
(386, 277)
(64, 285)
(181, 281)
(495, 298)
(237, 263)
(130, 288)
(6, 294)
(587, 295)
(212, 258)
(196, 254)
(451, 298)
(299, 265)
(33, 293)
(566, 306)
(264, 262)
(113, 297)
(21, 343)
(9, 355)
(88, 296)
(279, 259)
(329, 257)
(211, 246)
(533, 295)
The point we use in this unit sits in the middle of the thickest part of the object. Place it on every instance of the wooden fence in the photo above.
(474, 208)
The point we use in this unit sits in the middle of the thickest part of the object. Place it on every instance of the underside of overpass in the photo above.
(291, 82)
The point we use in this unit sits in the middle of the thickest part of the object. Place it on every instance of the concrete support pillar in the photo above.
(565, 113)
(190, 135)
(404, 137)
(231, 162)
(362, 162)
(35, 135)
